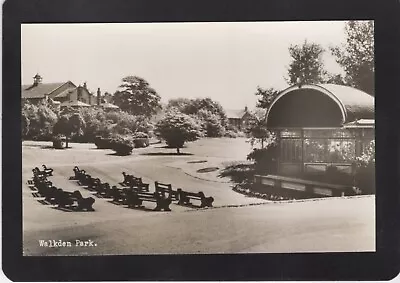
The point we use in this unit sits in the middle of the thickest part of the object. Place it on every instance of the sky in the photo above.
(224, 61)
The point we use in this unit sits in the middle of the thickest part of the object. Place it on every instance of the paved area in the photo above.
(236, 224)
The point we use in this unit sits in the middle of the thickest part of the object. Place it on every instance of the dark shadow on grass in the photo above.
(142, 207)
(197, 161)
(169, 147)
(207, 169)
(166, 154)
(71, 209)
(116, 154)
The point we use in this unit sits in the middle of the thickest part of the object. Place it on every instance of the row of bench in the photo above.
(134, 191)
(58, 196)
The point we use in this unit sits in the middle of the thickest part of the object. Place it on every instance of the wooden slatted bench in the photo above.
(47, 171)
(66, 199)
(135, 199)
(166, 191)
(305, 186)
(185, 197)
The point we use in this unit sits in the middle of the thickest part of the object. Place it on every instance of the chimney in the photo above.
(79, 90)
(98, 96)
(37, 79)
(245, 109)
(84, 85)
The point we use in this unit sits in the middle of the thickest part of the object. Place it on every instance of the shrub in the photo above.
(239, 173)
(103, 143)
(58, 141)
(141, 139)
(230, 134)
(122, 145)
(365, 169)
(265, 158)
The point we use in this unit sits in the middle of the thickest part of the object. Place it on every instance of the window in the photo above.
(291, 150)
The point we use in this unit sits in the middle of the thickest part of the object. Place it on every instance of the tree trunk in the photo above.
(66, 141)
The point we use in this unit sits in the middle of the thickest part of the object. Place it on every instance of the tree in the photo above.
(24, 125)
(68, 125)
(306, 65)
(357, 55)
(41, 121)
(137, 97)
(195, 106)
(266, 96)
(177, 128)
(211, 123)
(181, 104)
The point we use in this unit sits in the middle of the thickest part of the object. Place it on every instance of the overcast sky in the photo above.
(224, 61)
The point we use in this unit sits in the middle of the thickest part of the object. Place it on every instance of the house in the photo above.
(63, 94)
(39, 92)
(238, 118)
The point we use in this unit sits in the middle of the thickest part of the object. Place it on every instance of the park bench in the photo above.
(135, 199)
(118, 194)
(185, 197)
(127, 179)
(166, 191)
(104, 190)
(37, 173)
(47, 171)
(66, 199)
(78, 173)
(86, 180)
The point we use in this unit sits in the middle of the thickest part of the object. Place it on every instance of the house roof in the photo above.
(75, 103)
(66, 92)
(109, 105)
(40, 90)
(351, 103)
(234, 114)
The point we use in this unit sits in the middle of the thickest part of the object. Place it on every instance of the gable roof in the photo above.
(109, 105)
(75, 103)
(40, 90)
(234, 114)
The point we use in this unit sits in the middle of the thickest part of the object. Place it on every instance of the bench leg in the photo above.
(163, 204)
(207, 202)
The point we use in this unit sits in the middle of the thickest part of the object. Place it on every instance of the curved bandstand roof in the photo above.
(319, 105)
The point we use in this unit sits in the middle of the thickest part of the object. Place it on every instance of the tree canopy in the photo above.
(177, 128)
(266, 96)
(356, 56)
(137, 97)
(307, 65)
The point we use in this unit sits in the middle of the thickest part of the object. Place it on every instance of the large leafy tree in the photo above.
(200, 107)
(137, 97)
(306, 65)
(68, 125)
(265, 96)
(41, 121)
(177, 128)
(356, 56)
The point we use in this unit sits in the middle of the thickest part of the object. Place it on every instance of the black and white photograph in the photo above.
(198, 138)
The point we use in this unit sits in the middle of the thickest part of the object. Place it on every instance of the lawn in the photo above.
(236, 224)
